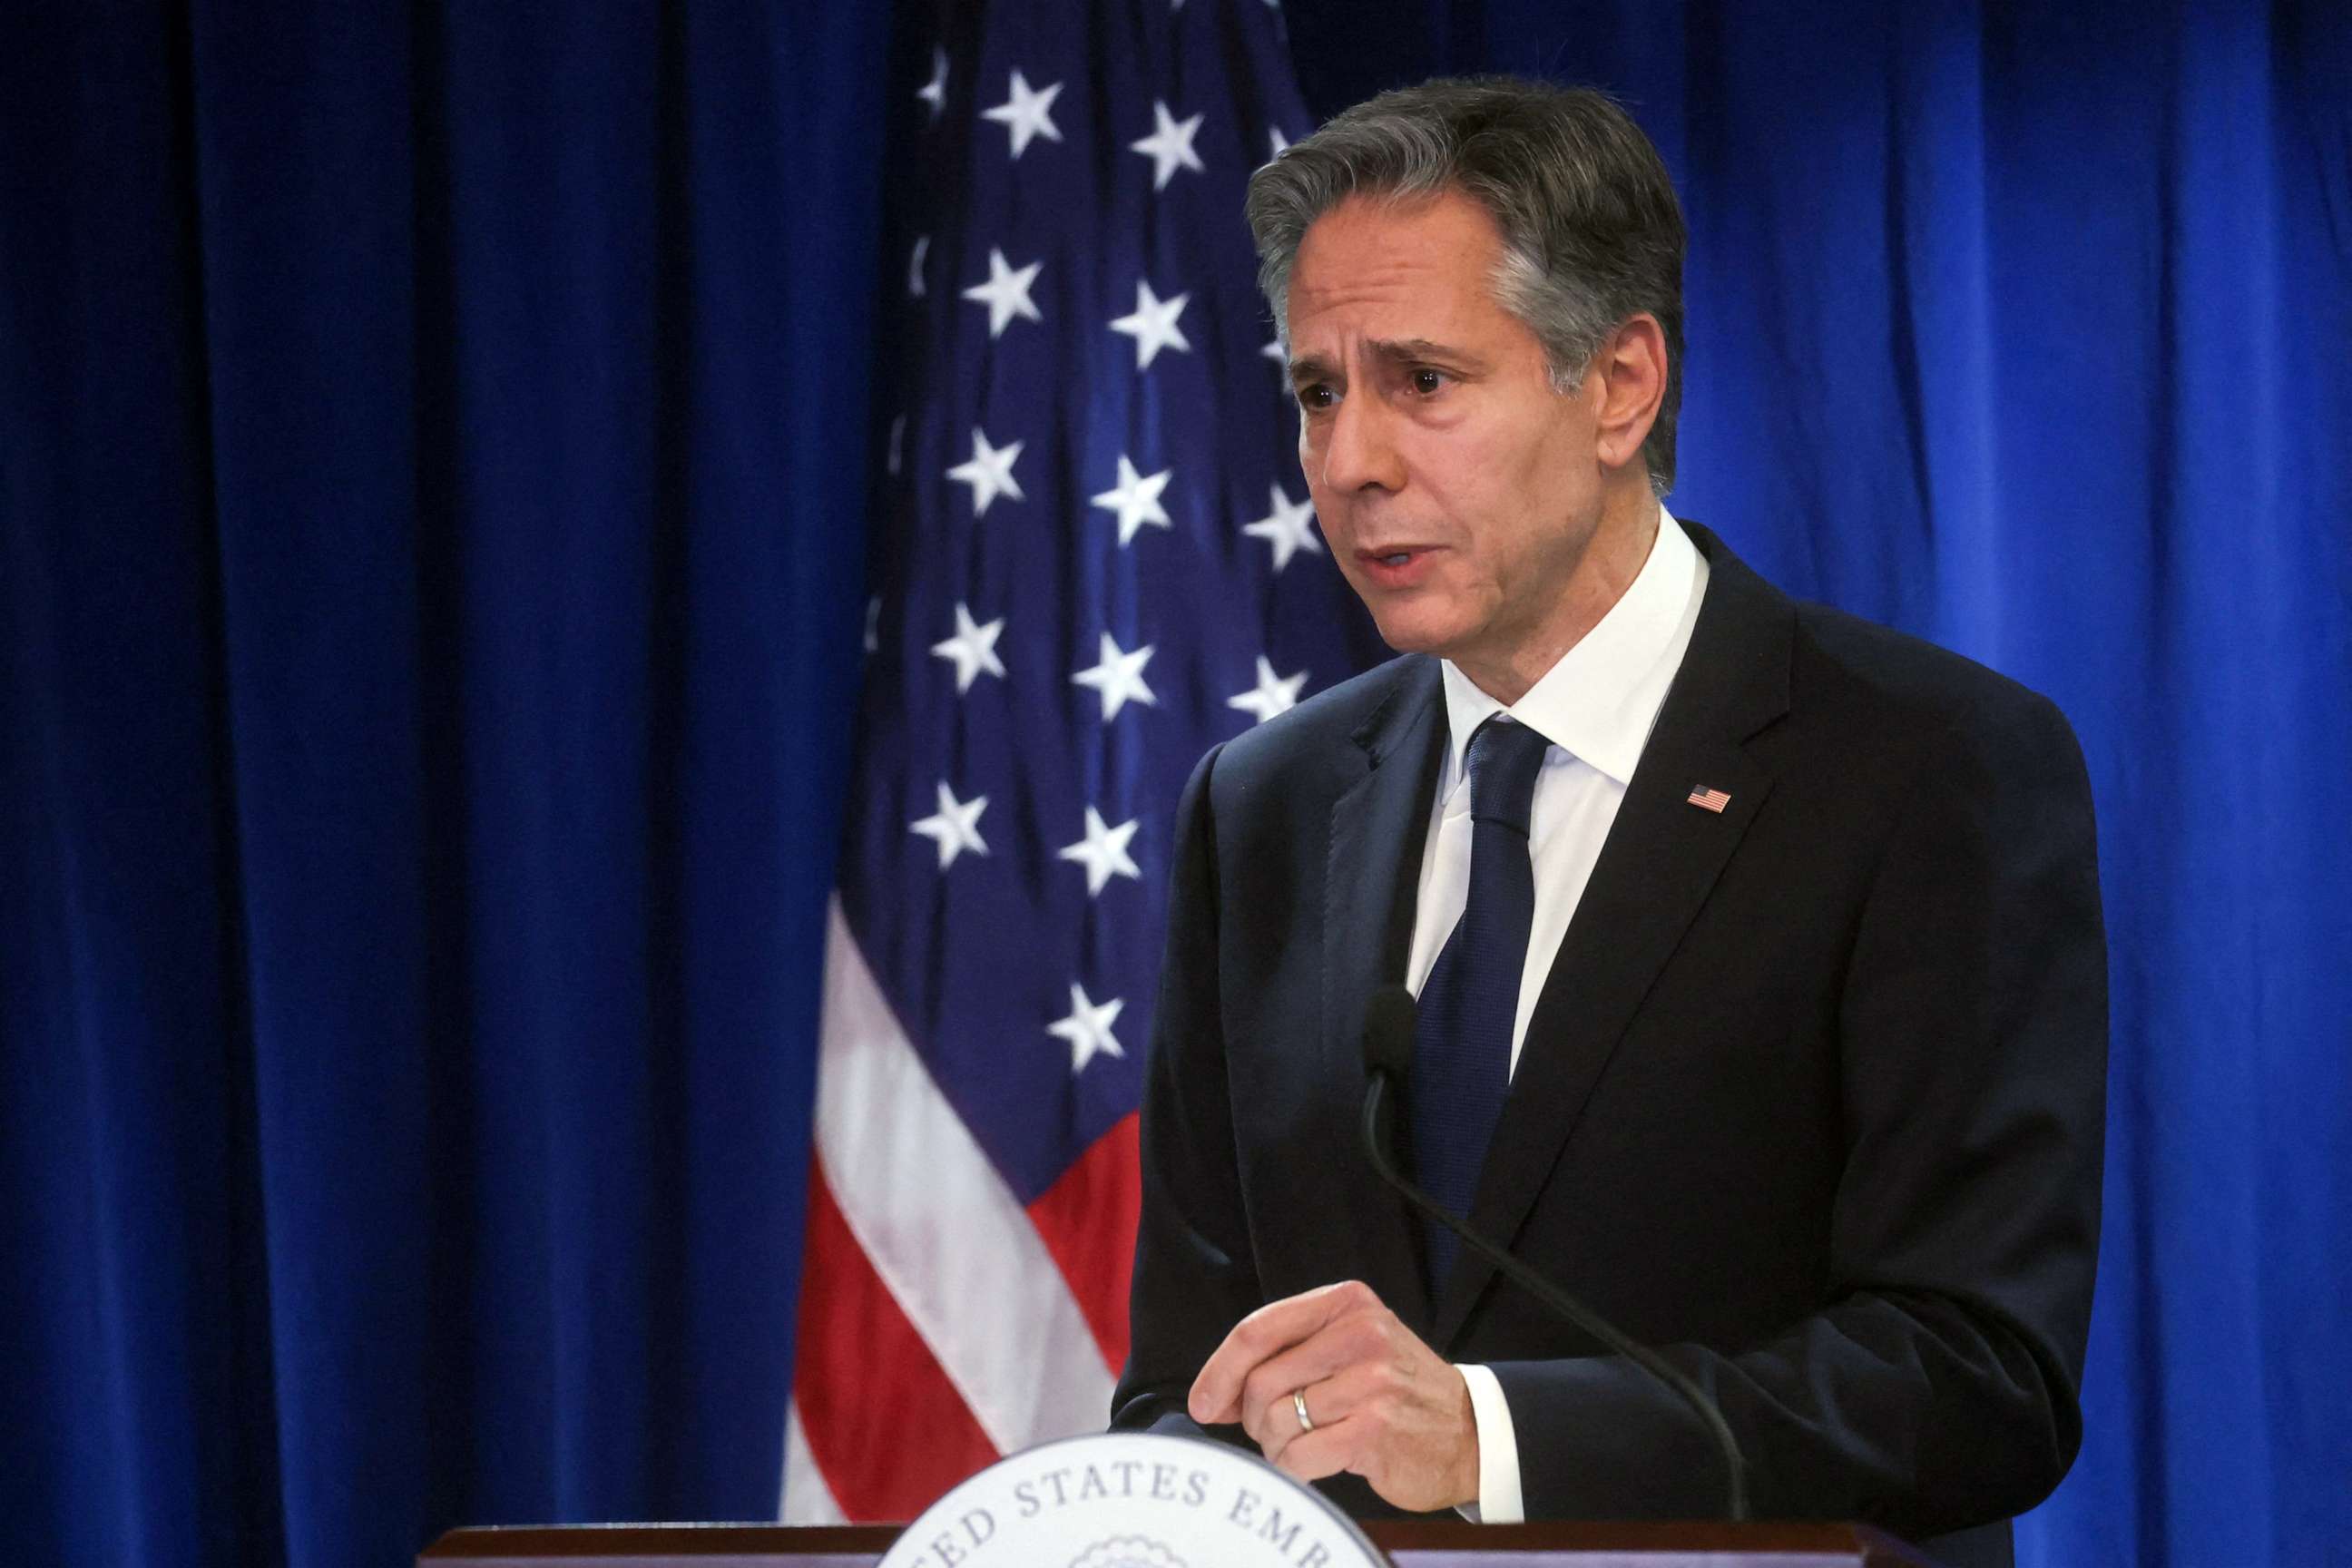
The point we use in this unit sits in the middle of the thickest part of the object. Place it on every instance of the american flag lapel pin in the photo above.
(1707, 799)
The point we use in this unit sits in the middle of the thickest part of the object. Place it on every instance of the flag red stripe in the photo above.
(1087, 1222)
(888, 1430)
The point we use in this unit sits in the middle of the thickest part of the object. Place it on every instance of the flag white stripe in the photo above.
(807, 1499)
(948, 1238)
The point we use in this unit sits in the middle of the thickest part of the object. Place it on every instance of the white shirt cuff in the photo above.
(1499, 1501)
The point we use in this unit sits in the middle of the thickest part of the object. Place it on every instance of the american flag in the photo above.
(1093, 558)
(1707, 799)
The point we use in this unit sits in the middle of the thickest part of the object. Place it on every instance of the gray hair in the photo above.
(1592, 232)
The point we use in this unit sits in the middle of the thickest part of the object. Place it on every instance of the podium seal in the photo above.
(1132, 1499)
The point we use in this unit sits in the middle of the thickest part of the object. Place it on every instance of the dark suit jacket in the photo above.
(1814, 1098)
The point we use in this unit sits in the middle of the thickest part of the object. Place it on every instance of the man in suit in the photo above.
(1761, 978)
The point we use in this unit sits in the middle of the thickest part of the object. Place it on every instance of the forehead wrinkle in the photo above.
(1395, 313)
(1390, 352)
(1386, 280)
(1374, 243)
(1390, 286)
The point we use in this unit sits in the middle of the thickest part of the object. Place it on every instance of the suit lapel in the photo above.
(1370, 881)
(1657, 868)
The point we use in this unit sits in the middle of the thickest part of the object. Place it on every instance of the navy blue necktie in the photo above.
(1462, 1035)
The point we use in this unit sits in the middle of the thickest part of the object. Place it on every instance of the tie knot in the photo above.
(1504, 758)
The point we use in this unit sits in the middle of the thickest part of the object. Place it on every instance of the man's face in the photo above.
(1459, 491)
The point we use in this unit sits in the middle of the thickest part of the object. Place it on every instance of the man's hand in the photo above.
(1385, 1406)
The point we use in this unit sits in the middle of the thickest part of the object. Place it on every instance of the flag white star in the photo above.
(1137, 499)
(915, 266)
(955, 826)
(1087, 1029)
(989, 472)
(1152, 324)
(972, 649)
(1286, 528)
(1273, 693)
(1274, 136)
(935, 91)
(1169, 145)
(1027, 114)
(1117, 677)
(898, 443)
(1006, 292)
(1103, 852)
(1274, 350)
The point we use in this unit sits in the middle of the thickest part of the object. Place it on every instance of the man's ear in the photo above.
(1631, 374)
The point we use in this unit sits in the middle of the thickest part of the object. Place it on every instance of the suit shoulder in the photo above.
(1329, 719)
(1879, 680)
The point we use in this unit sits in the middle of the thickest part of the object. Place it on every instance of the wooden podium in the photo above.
(1410, 1543)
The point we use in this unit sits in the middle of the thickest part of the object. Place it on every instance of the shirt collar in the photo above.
(1599, 701)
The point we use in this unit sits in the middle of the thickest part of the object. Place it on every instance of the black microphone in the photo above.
(1387, 1058)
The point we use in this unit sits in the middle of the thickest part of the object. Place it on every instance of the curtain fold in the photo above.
(432, 476)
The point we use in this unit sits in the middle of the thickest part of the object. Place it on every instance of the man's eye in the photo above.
(1428, 383)
(1315, 398)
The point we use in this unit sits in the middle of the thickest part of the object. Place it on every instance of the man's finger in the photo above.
(1329, 1401)
(1325, 1451)
(1265, 1333)
(1348, 1340)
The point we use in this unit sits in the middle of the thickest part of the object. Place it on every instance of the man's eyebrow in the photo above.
(1306, 368)
(1415, 351)
(1390, 351)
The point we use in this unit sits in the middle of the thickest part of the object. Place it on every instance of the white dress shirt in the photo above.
(1596, 706)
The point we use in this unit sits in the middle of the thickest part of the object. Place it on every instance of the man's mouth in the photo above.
(1395, 565)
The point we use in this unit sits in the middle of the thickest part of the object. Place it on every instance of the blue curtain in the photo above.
(430, 441)
(429, 591)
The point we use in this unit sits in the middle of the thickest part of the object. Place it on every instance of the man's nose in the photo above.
(1359, 447)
